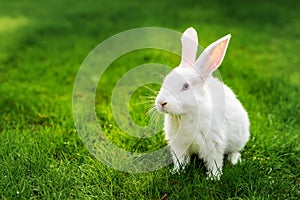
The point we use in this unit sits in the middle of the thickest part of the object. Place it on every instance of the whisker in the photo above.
(153, 122)
(157, 120)
(144, 102)
(150, 89)
(151, 111)
(149, 98)
(156, 114)
(152, 116)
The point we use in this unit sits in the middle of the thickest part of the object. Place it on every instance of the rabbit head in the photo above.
(185, 85)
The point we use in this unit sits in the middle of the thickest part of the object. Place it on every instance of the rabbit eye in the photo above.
(185, 86)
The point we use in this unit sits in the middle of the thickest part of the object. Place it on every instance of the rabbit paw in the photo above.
(234, 158)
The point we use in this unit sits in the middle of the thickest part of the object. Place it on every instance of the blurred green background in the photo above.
(43, 43)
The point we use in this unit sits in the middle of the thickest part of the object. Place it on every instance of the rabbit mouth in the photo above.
(161, 109)
(167, 110)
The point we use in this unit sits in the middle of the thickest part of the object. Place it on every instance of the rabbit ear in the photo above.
(212, 57)
(189, 41)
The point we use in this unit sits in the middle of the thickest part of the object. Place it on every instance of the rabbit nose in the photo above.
(163, 104)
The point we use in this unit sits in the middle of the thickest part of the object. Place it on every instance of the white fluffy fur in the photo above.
(202, 115)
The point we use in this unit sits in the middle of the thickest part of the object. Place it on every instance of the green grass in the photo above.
(43, 43)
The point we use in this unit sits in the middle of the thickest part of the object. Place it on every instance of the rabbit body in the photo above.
(202, 115)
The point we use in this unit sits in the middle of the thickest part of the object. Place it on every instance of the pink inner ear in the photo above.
(217, 54)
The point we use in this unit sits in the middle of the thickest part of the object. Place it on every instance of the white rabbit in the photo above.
(202, 115)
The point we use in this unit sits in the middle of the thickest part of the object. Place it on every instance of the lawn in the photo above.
(42, 46)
